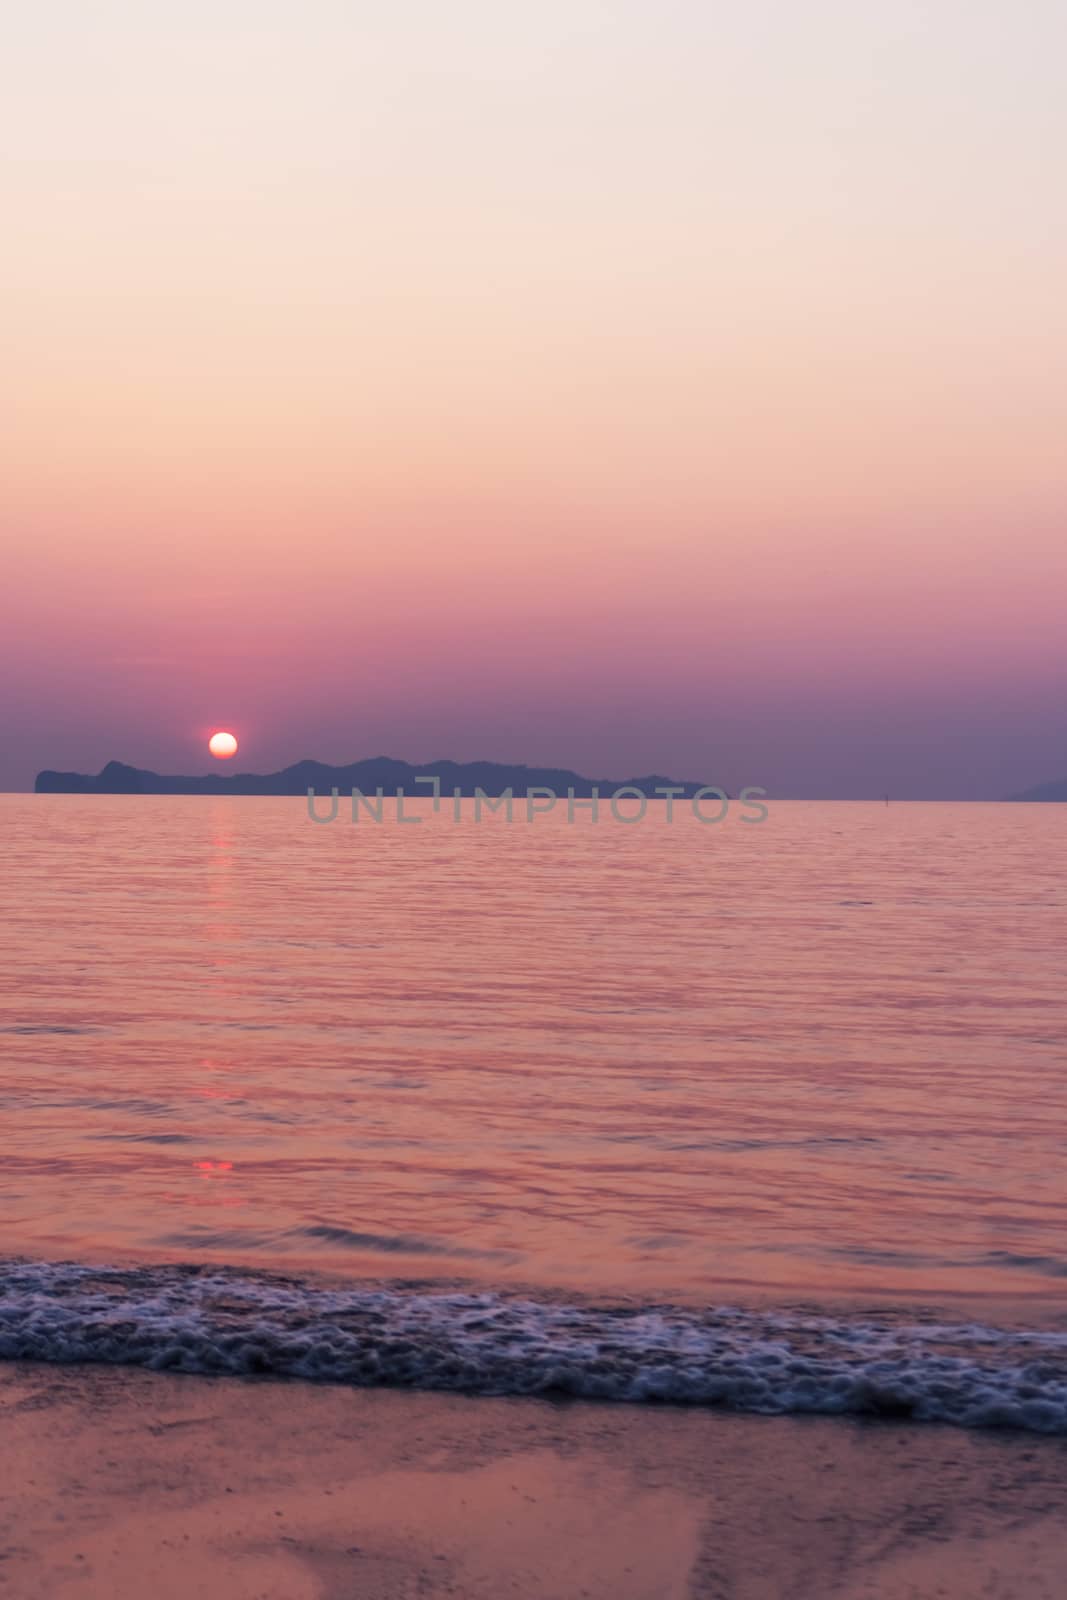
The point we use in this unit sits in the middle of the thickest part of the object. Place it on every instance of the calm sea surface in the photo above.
(815, 1062)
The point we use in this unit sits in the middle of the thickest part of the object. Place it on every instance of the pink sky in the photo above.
(622, 387)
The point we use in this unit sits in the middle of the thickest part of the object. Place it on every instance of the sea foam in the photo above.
(215, 1320)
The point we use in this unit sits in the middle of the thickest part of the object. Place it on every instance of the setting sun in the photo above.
(222, 745)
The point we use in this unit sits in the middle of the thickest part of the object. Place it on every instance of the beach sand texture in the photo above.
(122, 1483)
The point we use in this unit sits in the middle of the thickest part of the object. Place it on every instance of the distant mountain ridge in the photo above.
(1056, 790)
(378, 772)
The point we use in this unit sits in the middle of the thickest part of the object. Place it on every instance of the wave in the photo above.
(220, 1321)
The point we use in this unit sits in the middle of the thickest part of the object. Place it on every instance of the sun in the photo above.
(223, 745)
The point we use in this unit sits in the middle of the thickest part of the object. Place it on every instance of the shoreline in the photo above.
(129, 1480)
(404, 1336)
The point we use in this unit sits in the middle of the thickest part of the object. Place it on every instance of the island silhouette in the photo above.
(377, 772)
(1056, 790)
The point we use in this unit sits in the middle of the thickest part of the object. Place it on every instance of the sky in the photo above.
(631, 386)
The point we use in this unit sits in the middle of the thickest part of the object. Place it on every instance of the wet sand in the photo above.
(122, 1483)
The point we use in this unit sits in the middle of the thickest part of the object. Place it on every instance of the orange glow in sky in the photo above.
(628, 388)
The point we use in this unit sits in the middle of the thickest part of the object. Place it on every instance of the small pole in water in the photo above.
(887, 799)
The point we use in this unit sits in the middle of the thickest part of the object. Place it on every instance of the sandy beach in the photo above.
(122, 1483)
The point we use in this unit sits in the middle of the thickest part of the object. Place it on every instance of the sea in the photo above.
(766, 1115)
